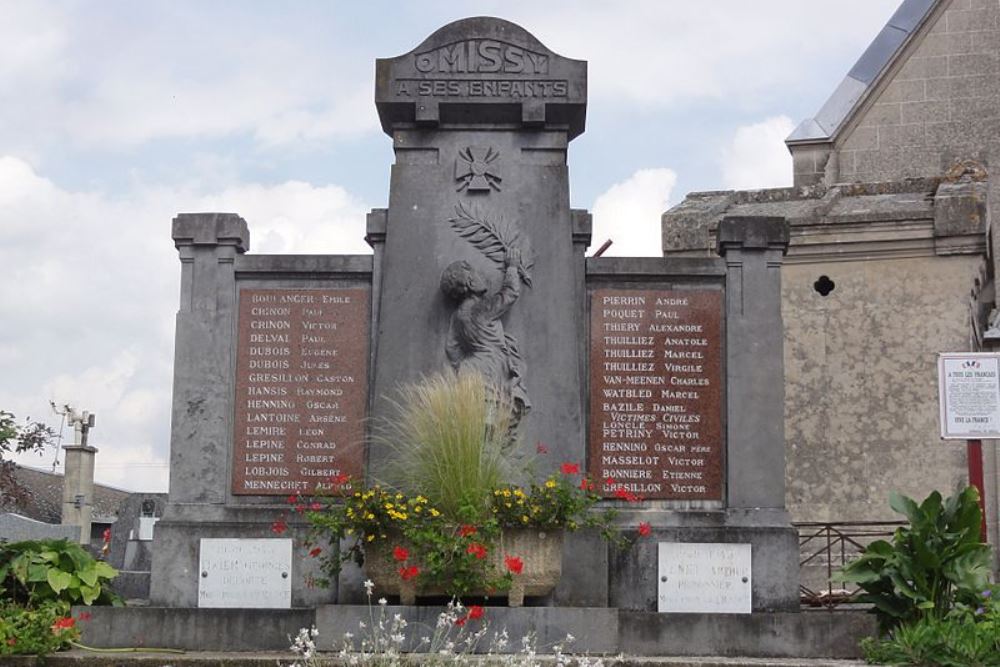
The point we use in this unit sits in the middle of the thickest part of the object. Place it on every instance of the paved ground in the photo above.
(80, 658)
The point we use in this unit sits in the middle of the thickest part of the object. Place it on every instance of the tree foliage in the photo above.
(15, 438)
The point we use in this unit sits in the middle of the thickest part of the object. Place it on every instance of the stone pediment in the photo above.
(481, 71)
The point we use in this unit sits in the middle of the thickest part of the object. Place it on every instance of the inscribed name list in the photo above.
(656, 393)
(301, 389)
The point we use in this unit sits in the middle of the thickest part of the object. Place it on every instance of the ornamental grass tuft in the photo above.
(451, 436)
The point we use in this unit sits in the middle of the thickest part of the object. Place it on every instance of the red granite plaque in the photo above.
(656, 393)
(301, 389)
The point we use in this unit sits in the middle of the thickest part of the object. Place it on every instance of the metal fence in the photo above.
(826, 546)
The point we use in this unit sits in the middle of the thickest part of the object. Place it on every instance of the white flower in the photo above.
(383, 602)
(348, 636)
(369, 586)
(570, 638)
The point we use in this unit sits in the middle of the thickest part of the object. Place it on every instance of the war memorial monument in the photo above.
(664, 374)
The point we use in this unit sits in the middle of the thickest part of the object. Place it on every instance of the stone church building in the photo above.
(892, 260)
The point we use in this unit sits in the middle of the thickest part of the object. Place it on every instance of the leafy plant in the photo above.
(966, 637)
(42, 571)
(36, 631)
(933, 563)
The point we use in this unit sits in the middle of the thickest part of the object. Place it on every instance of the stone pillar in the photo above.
(755, 390)
(201, 428)
(78, 477)
(481, 166)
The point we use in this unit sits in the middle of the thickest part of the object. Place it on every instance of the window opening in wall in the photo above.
(824, 285)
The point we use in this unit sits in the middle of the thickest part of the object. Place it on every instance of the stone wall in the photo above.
(861, 407)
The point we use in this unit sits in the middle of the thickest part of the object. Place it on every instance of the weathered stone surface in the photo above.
(450, 185)
(481, 71)
(16, 528)
(632, 633)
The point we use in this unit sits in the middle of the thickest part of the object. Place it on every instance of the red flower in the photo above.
(340, 480)
(475, 612)
(645, 529)
(477, 550)
(467, 530)
(63, 624)
(408, 573)
(621, 493)
(514, 564)
(400, 554)
(315, 552)
(460, 621)
(84, 616)
(279, 527)
(315, 507)
(300, 508)
(570, 469)
(540, 448)
(292, 500)
(586, 484)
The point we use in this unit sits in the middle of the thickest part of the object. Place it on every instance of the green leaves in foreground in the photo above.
(930, 565)
(39, 571)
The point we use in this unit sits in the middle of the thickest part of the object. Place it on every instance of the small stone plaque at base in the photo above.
(704, 578)
(245, 573)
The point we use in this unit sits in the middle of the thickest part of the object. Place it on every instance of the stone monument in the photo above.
(663, 376)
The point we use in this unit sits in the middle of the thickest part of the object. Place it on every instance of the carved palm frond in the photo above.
(492, 239)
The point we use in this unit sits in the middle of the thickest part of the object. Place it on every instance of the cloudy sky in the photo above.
(115, 116)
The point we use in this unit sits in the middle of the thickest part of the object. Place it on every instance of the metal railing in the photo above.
(824, 547)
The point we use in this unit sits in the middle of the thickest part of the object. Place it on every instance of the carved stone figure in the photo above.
(476, 337)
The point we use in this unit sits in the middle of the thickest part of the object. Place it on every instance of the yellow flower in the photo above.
(550, 483)
(524, 518)
(417, 508)
(434, 512)
(389, 506)
(370, 516)
(506, 493)
(420, 499)
(370, 538)
(399, 496)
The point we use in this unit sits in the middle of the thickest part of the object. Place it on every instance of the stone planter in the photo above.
(540, 551)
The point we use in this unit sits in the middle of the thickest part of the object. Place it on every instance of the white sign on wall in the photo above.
(704, 578)
(247, 573)
(969, 395)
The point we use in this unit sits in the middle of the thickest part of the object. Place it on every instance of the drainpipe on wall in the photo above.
(78, 479)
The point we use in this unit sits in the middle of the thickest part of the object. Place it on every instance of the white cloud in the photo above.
(658, 53)
(757, 157)
(91, 288)
(629, 213)
(111, 79)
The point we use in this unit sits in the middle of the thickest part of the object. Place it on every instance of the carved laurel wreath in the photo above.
(492, 238)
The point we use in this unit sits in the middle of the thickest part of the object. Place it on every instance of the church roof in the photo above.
(865, 74)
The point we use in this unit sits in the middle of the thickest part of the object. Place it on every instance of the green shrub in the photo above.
(966, 637)
(34, 572)
(36, 631)
(933, 563)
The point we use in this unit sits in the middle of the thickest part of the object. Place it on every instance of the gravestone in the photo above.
(662, 376)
